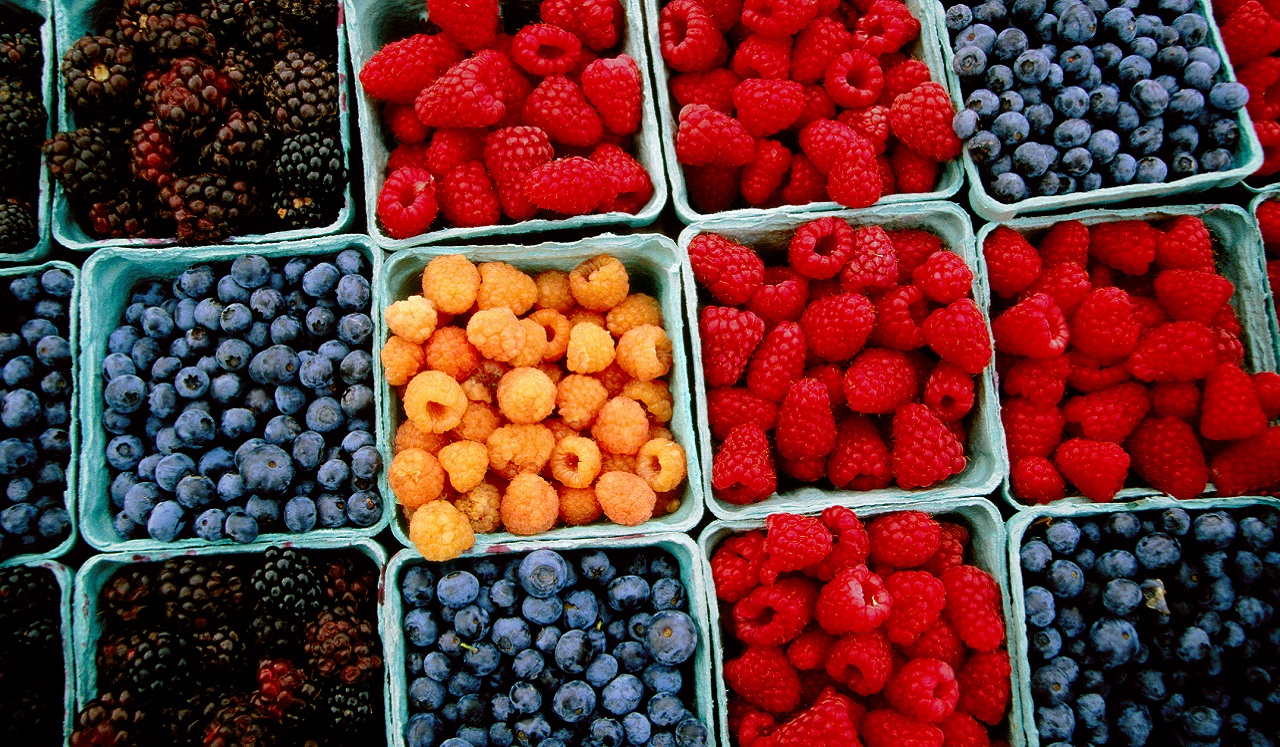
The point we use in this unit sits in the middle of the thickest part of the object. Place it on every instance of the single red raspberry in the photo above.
(1104, 326)
(949, 392)
(1269, 223)
(958, 333)
(817, 105)
(1177, 399)
(1066, 283)
(1185, 245)
(873, 262)
(888, 728)
(824, 141)
(1191, 295)
(778, 18)
(407, 202)
(922, 117)
(468, 198)
(1247, 466)
(1031, 429)
(742, 471)
(913, 172)
(1042, 380)
(871, 122)
(1250, 33)
(450, 149)
(853, 601)
(809, 469)
(860, 459)
(944, 277)
(1261, 77)
(509, 85)
(404, 124)
(763, 676)
(985, 687)
(851, 543)
(879, 381)
(1266, 385)
(820, 248)
(913, 247)
(774, 615)
(777, 362)
(832, 378)
(512, 152)
(1128, 245)
(854, 180)
(809, 650)
(1230, 408)
(904, 539)
(862, 662)
(729, 270)
(713, 88)
(753, 726)
(924, 689)
(903, 77)
(712, 188)
(761, 57)
(1012, 263)
(962, 730)
(729, 407)
(1067, 241)
(735, 565)
(1087, 375)
(950, 553)
(401, 69)
(885, 28)
(689, 38)
(1166, 453)
(973, 607)
(854, 79)
(816, 46)
(1147, 312)
(1036, 480)
(1177, 351)
(1269, 135)
(597, 22)
(806, 425)
(559, 108)
(631, 186)
(899, 314)
(705, 136)
(410, 154)
(1034, 327)
(793, 542)
(1109, 414)
(725, 12)
(826, 723)
(918, 599)
(939, 642)
(768, 106)
(463, 97)
(612, 85)
(569, 186)
(837, 326)
(1097, 468)
(781, 296)
(542, 49)
(762, 178)
(729, 337)
(473, 24)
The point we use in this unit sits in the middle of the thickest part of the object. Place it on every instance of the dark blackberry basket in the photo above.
(48, 75)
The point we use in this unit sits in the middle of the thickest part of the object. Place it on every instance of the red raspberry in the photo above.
(689, 38)
(854, 180)
(471, 23)
(712, 188)
(1230, 407)
(1034, 327)
(777, 362)
(810, 469)
(729, 270)
(889, 728)
(950, 553)
(631, 186)
(542, 49)
(467, 197)
(903, 77)
(851, 545)
(1088, 375)
(569, 186)
(1097, 468)
(781, 297)
(407, 202)
(872, 123)
(1067, 241)
(725, 12)
(1104, 326)
(1269, 135)
(735, 566)
(1012, 263)
(729, 337)
(1269, 223)
(1260, 77)
(411, 154)
(713, 88)
(404, 124)
(728, 407)
(752, 727)
(1166, 453)
(507, 83)
(760, 57)
(597, 22)
(820, 248)
(924, 689)
(853, 601)
(806, 425)
(837, 327)
(886, 27)
(1177, 351)
(905, 539)
(879, 381)
(1186, 245)
(1177, 399)
(1192, 296)
(913, 248)
(944, 277)
(918, 599)
(899, 314)
(742, 471)
(450, 149)
(762, 178)
(958, 334)
(509, 155)
(1147, 312)
(464, 96)
(816, 46)
(773, 615)
(705, 136)
(1266, 385)
(1250, 33)
(778, 18)
(817, 105)
(939, 642)
(768, 106)
(793, 542)
(559, 108)
(873, 263)
(962, 730)
(809, 650)
(401, 69)
(832, 378)
(949, 392)
(1110, 414)
(1248, 466)
(824, 141)
(913, 172)
(861, 662)
(827, 723)
(1066, 283)
(922, 117)
(1030, 429)
(1042, 380)
(1035, 479)
(613, 88)
(1128, 245)
(859, 460)
(854, 79)
(973, 607)
(762, 676)
(984, 686)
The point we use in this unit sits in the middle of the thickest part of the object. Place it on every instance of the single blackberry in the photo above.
(244, 69)
(287, 583)
(295, 210)
(87, 161)
(268, 38)
(128, 600)
(207, 208)
(222, 653)
(283, 693)
(129, 214)
(22, 116)
(273, 632)
(349, 707)
(302, 92)
(320, 13)
(182, 35)
(350, 588)
(236, 724)
(158, 664)
(138, 19)
(113, 719)
(17, 226)
(151, 154)
(21, 56)
(144, 100)
(111, 655)
(311, 163)
(100, 75)
(199, 595)
(190, 99)
(241, 145)
(342, 648)
(227, 18)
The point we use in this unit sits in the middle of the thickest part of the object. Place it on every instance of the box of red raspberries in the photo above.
(1136, 354)
(813, 103)
(488, 118)
(881, 628)
(848, 352)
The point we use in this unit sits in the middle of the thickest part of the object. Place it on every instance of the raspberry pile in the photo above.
(238, 400)
(1251, 36)
(202, 119)
(1119, 351)
(35, 410)
(1075, 96)
(22, 127)
(825, 650)
(279, 647)
(31, 664)
(1154, 627)
(491, 126)
(574, 649)
(859, 355)
(529, 402)
(1268, 216)
(788, 102)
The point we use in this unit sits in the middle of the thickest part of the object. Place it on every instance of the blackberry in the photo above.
(138, 19)
(113, 718)
(25, 594)
(33, 710)
(283, 691)
(245, 71)
(199, 594)
(241, 145)
(287, 583)
(267, 38)
(207, 208)
(190, 97)
(17, 226)
(128, 600)
(129, 214)
(21, 56)
(151, 154)
(222, 653)
(311, 163)
(182, 35)
(315, 12)
(236, 724)
(87, 161)
(227, 18)
(302, 92)
(342, 648)
(159, 663)
(349, 707)
(348, 590)
(144, 101)
(22, 116)
(274, 632)
(99, 74)
(184, 722)
(295, 210)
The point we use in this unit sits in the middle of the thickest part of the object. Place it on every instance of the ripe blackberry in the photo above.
(22, 116)
(87, 161)
(342, 648)
(182, 35)
(274, 632)
(144, 100)
(114, 719)
(207, 208)
(128, 600)
(349, 707)
(350, 589)
(311, 163)
(268, 38)
(227, 18)
(100, 75)
(33, 710)
(200, 594)
(241, 145)
(245, 71)
(222, 653)
(287, 583)
(158, 663)
(21, 56)
(302, 92)
(283, 693)
(317, 13)
(151, 154)
(293, 210)
(237, 724)
(138, 19)
(129, 214)
(190, 99)
(17, 226)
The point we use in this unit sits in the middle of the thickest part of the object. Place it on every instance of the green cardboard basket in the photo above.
(986, 544)
(374, 23)
(1241, 261)
(111, 274)
(44, 9)
(987, 465)
(653, 263)
(74, 19)
(1019, 648)
(927, 47)
(73, 427)
(692, 575)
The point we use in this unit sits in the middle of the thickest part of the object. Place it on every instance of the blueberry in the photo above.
(1072, 133)
(969, 61)
(1077, 161)
(320, 280)
(1011, 101)
(1214, 529)
(364, 508)
(1032, 159)
(258, 334)
(958, 17)
(1039, 117)
(1121, 596)
(1046, 642)
(1011, 127)
(1123, 169)
(628, 593)
(983, 147)
(1228, 96)
(525, 697)
(1032, 66)
(266, 303)
(1115, 641)
(1039, 603)
(978, 35)
(999, 79)
(1050, 685)
(992, 11)
(166, 521)
(1104, 146)
(1120, 24)
(665, 709)
(365, 463)
(457, 589)
(300, 514)
(266, 469)
(527, 664)
(1077, 23)
(195, 428)
(1198, 75)
(1146, 140)
(124, 394)
(1106, 56)
(250, 271)
(1046, 27)
(671, 637)
(1009, 187)
(1076, 62)
(355, 329)
(1035, 556)
(356, 400)
(1056, 723)
(195, 491)
(668, 594)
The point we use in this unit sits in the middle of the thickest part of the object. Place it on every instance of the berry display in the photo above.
(238, 400)
(31, 663)
(22, 127)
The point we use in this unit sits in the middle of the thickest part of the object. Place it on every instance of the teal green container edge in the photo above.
(73, 428)
(1233, 227)
(987, 545)
(74, 18)
(1019, 648)
(110, 273)
(48, 74)
(927, 48)
(365, 21)
(692, 575)
(987, 466)
(654, 257)
(1248, 155)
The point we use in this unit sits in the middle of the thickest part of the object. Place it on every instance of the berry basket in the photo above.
(987, 541)
(654, 264)
(1244, 266)
(927, 47)
(113, 273)
(987, 465)
(48, 74)
(1019, 647)
(1248, 154)
(373, 23)
(75, 19)
(692, 575)
(63, 576)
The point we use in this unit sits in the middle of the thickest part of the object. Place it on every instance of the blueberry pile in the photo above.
(35, 410)
(1155, 628)
(1074, 96)
(238, 400)
(551, 650)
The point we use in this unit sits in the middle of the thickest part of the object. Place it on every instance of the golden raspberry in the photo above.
(580, 315)
(600, 283)
(657, 431)
(503, 285)
(434, 401)
(410, 436)
(575, 461)
(621, 427)
(483, 383)
(526, 395)
(661, 463)
(514, 449)
(480, 506)
(466, 462)
(496, 333)
(553, 291)
(415, 477)
(578, 506)
(449, 350)
(530, 505)
(553, 372)
(478, 421)
(535, 344)
(644, 353)
(654, 395)
(590, 349)
(614, 379)
(559, 428)
(580, 399)
(635, 310)
(440, 531)
(451, 283)
(555, 327)
(414, 318)
(617, 462)
(625, 498)
(401, 359)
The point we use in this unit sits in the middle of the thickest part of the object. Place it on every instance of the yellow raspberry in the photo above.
(441, 532)
(614, 379)
(414, 318)
(555, 329)
(401, 359)
(575, 461)
(621, 427)
(478, 421)
(657, 431)
(553, 291)
(451, 283)
(654, 395)
(514, 449)
(505, 286)
(578, 506)
(600, 283)
(496, 333)
(526, 395)
(635, 310)
(580, 315)
(553, 372)
(410, 436)
(483, 383)
(625, 498)
(661, 463)
(480, 506)
(535, 344)
(530, 505)
(590, 349)
(617, 462)
(580, 399)
(644, 353)
(466, 462)
(415, 477)
(434, 401)
(559, 428)
(449, 350)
